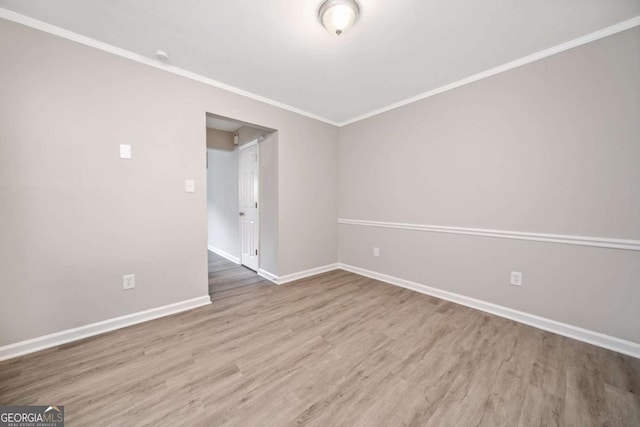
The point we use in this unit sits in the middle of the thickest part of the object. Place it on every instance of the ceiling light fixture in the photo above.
(338, 16)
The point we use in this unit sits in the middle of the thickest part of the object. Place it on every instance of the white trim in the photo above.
(598, 242)
(596, 338)
(269, 276)
(248, 144)
(88, 41)
(62, 337)
(223, 254)
(306, 273)
(281, 280)
(258, 254)
(588, 38)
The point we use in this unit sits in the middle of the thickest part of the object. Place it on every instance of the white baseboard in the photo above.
(224, 254)
(306, 273)
(63, 337)
(269, 276)
(596, 338)
(281, 280)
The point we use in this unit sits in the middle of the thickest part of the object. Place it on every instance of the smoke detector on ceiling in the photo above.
(162, 56)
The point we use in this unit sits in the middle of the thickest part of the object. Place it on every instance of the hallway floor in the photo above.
(227, 279)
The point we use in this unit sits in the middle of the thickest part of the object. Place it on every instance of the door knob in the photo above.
(241, 213)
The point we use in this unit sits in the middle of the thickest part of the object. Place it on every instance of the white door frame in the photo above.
(249, 144)
(240, 148)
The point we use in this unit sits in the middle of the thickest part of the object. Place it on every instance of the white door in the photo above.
(249, 231)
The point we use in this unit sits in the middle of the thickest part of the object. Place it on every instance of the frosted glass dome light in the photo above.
(338, 16)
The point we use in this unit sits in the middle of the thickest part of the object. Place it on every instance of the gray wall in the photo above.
(248, 134)
(268, 202)
(222, 201)
(551, 147)
(75, 217)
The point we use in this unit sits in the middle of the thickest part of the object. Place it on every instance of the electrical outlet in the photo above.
(376, 251)
(128, 281)
(516, 278)
(190, 186)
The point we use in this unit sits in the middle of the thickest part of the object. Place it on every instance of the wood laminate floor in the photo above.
(226, 277)
(334, 349)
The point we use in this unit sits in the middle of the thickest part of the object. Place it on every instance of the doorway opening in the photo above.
(241, 197)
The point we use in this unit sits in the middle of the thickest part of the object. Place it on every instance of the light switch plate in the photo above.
(128, 281)
(125, 151)
(190, 186)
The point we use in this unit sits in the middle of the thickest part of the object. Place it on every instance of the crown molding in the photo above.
(588, 38)
(10, 15)
(88, 41)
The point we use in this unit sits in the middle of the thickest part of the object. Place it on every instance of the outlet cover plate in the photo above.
(516, 278)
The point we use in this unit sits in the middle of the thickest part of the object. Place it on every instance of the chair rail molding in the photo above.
(598, 242)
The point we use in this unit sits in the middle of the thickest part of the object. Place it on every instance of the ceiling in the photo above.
(227, 125)
(277, 49)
